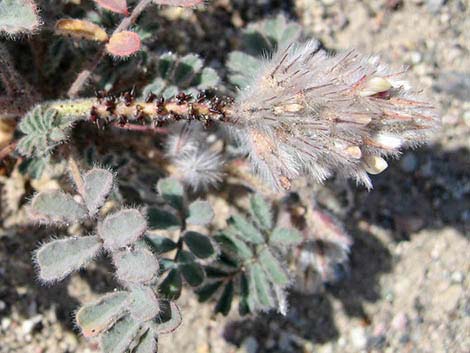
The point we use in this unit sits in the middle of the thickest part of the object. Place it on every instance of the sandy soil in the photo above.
(408, 288)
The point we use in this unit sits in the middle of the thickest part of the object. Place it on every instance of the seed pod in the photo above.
(80, 29)
(375, 164)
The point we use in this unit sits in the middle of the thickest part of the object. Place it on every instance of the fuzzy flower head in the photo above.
(200, 169)
(308, 113)
(196, 163)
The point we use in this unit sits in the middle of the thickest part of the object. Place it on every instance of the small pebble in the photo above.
(249, 345)
(435, 5)
(450, 298)
(457, 277)
(377, 342)
(450, 119)
(28, 325)
(409, 163)
(358, 337)
(6, 322)
(466, 118)
(416, 57)
(400, 322)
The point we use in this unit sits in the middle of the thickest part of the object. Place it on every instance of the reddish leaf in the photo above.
(118, 6)
(183, 3)
(124, 43)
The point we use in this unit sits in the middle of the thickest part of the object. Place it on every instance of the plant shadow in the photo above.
(22, 291)
(427, 189)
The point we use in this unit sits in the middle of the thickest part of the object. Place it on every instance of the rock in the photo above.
(450, 298)
(325, 348)
(377, 342)
(400, 322)
(450, 119)
(409, 163)
(466, 118)
(5, 324)
(249, 345)
(435, 5)
(457, 277)
(416, 57)
(29, 325)
(456, 84)
(358, 337)
(285, 343)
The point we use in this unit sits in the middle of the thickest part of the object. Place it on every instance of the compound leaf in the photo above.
(199, 244)
(273, 268)
(148, 343)
(192, 272)
(200, 213)
(122, 228)
(59, 258)
(18, 16)
(160, 244)
(172, 285)
(143, 303)
(97, 317)
(225, 301)
(261, 212)
(162, 219)
(121, 336)
(137, 266)
(172, 191)
(98, 184)
(246, 230)
(285, 236)
(205, 292)
(170, 319)
(57, 207)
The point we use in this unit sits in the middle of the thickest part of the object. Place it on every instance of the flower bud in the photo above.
(374, 164)
(375, 85)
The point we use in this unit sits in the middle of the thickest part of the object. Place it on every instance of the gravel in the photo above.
(408, 288)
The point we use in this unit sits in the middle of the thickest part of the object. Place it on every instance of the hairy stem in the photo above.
(76, 175)
(85, 74)
(121, 111)
(17, 89)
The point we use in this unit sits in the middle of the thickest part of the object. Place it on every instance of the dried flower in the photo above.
(185, 139)
(308, 113)
(196, 163)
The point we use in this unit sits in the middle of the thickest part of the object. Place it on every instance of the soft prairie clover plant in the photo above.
(251, 262)
(305, 113)
(290, 111)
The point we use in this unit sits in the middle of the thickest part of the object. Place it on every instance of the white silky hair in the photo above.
(196, 164)
(306, 112)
